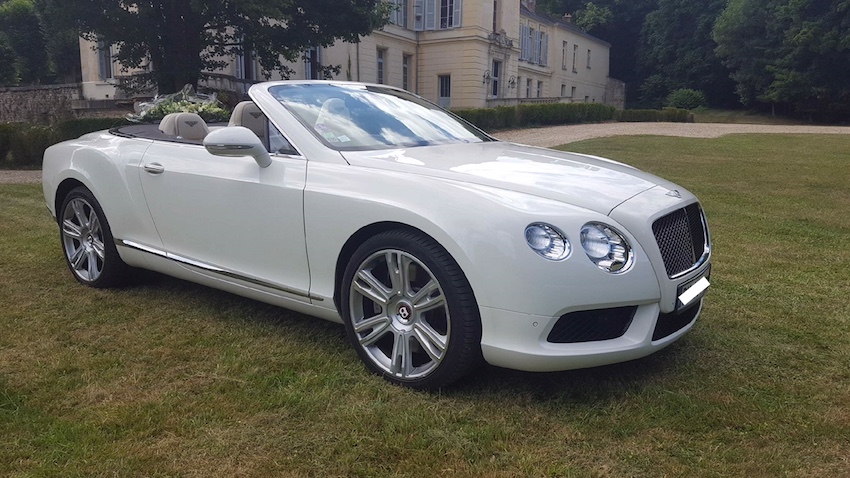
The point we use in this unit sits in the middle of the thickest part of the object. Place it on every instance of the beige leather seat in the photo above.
(184, 125)
(248, 114)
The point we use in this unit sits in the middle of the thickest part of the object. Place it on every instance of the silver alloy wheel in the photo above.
(82, 237)
(399, 314)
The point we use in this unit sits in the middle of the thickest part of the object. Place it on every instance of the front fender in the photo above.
(480, 226)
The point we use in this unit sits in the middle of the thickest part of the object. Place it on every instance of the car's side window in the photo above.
(277, 142)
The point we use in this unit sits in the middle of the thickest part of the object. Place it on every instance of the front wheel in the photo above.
(87, 241)
(410, 312)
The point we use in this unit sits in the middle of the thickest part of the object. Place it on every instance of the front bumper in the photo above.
(524, 342)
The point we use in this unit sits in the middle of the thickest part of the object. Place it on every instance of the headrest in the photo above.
(248, 114)
(184, 125)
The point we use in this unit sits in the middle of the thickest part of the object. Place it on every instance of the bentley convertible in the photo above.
(436, 245)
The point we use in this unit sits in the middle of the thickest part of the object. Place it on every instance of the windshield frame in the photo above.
(286, 93)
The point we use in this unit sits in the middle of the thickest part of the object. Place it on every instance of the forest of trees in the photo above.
(789, 56)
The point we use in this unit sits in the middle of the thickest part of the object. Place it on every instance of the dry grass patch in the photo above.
(171, 379)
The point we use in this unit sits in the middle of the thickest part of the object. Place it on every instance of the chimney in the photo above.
(530, 5)
(568, 18)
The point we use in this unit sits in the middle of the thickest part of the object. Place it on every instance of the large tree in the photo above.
(20, 34)
(183, 38)
(677, 51)
(789, 53)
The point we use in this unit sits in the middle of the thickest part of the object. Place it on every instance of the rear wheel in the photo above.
(410, 312)
(87, 241)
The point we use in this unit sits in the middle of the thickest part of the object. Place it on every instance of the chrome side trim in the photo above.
(215, 270)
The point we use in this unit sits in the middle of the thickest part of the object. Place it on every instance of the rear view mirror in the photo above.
(238, 141)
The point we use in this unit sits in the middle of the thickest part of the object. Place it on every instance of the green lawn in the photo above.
(172, 379)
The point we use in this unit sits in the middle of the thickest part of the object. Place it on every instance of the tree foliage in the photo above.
(794, 53)
(677, 52)
(181, 39)
(33, 50)
(21, 32)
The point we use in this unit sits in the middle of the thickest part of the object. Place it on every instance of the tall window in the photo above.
(528, 83)
(575, 52)
(588, 58)
(245, 63)
(525, 42)
(539, 89)
(436, 14)
(399, 15)
(564, 55)
(533, 45)
(313, 63)
(405, 72)
(445, 90)
(573, 92)
(542, 49)
(494, 81)
(495, 15)
(380, 72)
(104, 60)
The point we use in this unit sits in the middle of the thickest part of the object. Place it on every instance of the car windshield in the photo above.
(354, 117)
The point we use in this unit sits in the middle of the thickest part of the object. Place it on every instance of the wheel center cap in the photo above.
(90, 240)
(404, 313)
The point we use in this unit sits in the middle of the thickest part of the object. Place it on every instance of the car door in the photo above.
(226, 217)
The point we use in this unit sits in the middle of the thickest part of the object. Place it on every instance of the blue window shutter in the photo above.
(431, 14)
(458, 8)
(418, 15)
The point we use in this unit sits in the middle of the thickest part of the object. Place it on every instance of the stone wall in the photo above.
(50, 103)
(615, 94)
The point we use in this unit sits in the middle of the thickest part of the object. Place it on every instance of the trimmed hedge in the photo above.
(505, 117)
(22, 145)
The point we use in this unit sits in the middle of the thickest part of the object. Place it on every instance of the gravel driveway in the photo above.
(556, 135)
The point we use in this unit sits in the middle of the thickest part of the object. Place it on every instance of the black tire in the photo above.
(421, 330)
(87, 241)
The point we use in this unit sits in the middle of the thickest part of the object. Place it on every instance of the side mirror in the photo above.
(237, 141)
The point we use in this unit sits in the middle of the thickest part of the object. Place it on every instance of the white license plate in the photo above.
(695, 290)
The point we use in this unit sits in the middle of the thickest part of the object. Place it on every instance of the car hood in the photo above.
(586, 181)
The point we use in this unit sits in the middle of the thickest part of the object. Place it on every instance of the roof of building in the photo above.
(560, 23)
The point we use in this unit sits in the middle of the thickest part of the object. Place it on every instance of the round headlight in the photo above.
(606, 247)
(547, 241)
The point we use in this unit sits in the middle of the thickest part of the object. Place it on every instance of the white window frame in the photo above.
(399, 14)
(444, 90)
(428, 14)
(381, 66)
(105, 69)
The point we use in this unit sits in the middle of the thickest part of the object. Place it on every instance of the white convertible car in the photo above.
(435, 244)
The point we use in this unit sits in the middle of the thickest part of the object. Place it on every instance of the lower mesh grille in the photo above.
(592, 325)
(681, 238)
(669, 324)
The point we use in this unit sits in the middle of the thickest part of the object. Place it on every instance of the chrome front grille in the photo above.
(682, 239)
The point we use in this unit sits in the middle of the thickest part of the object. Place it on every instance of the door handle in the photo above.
(154, 168)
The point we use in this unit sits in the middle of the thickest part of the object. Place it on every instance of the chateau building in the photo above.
(458, 53)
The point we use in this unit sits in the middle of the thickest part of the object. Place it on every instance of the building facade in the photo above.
(457, 53)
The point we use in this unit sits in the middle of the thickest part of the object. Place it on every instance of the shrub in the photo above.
(8, 134)
(27, 146)
(503, 117)
(686, 99)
